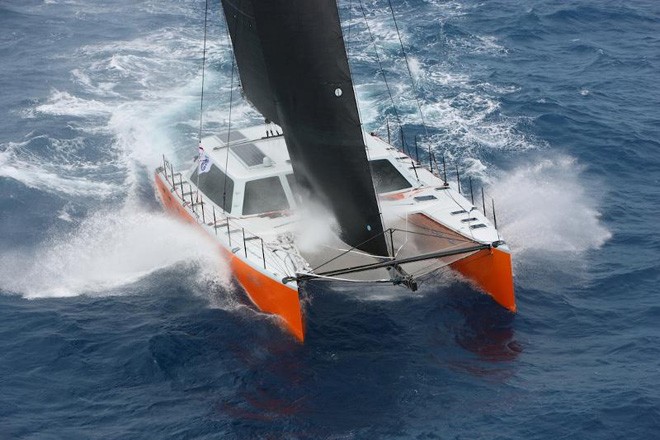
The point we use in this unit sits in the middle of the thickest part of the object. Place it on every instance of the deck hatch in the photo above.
(479, 226)
(460, 211)
(425, 198)
(249, 154)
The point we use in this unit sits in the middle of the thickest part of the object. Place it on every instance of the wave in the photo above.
(544, 207)
(127, 98)
(64, 104)
(106, 252)
(55, 166)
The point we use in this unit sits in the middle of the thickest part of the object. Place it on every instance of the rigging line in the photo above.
(405, 57)
(231, 99)
(432, 232)
(405, 242)
(380, 65)
(327, 278)
(201, 99)
(425, 269)
(436, 235)
(352, 249)
(350, 16)
(422, 257)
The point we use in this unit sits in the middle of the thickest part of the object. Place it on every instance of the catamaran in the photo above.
(256, 191)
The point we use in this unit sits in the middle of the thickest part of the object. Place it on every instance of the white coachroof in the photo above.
(260, 152)
(268, 139)
(239, 161)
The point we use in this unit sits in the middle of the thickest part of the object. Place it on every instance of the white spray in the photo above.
(107, 251)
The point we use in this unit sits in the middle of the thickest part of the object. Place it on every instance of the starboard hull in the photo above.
(490, 270)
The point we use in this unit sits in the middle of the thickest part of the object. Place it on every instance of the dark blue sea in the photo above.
(117, 322)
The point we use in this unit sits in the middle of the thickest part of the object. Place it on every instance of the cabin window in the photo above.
(212, 184)
(386, 177)
(264, 195)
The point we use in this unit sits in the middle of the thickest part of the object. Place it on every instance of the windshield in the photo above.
(264, 195)
(214, 184)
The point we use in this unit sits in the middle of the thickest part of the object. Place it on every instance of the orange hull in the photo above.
(268, 294)
(170, 202)
(490, 270)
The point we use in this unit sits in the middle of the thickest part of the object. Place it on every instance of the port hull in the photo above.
(267, 293)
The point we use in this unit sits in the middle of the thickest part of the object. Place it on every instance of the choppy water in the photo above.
(118, 322)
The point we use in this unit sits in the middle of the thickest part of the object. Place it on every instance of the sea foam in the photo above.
(107, 251)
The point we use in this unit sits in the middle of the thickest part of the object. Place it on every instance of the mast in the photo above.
(293, 66)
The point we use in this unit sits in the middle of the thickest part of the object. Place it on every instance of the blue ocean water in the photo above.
(118, 322)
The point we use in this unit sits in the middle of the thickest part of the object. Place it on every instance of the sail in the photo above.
(293, 67)
(240, 18)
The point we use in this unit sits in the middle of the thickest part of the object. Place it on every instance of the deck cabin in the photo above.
(251, 172)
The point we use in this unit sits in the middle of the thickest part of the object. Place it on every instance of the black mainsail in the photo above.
(294, 70)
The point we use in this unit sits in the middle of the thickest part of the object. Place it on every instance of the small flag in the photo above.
(204, 162)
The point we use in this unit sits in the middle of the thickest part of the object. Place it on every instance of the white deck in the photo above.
(427, 195)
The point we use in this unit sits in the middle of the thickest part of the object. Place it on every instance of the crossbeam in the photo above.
(390, 263)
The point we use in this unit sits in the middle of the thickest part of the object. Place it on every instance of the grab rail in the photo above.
(253, 245)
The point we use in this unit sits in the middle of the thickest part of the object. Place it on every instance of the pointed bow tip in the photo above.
(490, 270)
